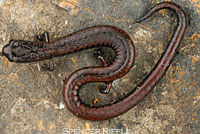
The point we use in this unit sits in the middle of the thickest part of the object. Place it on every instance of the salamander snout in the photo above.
(15, 50)
(6, 51)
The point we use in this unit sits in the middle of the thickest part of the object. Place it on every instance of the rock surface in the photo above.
(31, 100)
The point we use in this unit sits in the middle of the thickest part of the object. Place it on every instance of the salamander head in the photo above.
(18, 50)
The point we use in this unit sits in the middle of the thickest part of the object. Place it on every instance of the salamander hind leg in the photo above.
(104, 89)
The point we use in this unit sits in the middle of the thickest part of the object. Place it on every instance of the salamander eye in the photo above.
(14, 43)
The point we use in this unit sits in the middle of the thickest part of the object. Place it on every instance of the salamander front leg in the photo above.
(44, 37)
(104, 89)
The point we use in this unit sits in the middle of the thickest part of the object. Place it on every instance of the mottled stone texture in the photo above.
(31, 100)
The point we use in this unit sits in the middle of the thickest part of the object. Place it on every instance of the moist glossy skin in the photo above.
(121, 43)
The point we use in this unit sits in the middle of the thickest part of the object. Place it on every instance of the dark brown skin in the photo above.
(97, 36)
